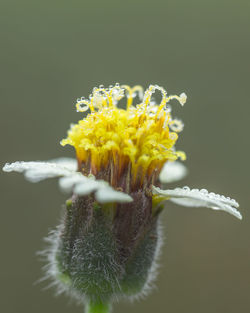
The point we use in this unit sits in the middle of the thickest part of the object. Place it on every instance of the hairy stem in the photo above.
(98, 307)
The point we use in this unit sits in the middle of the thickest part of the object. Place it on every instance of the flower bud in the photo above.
(104, 252)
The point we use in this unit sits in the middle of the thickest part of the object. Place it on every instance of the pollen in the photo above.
(125, 145)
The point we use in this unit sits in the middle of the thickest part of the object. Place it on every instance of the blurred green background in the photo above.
(53, 52)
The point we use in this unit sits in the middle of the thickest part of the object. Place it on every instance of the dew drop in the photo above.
(204, 191)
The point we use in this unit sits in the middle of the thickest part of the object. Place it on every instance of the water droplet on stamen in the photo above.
(183, 98)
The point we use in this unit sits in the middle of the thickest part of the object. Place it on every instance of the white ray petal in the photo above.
(108, 194)
(37, 171)
(86, 188)
(172, 171)
(83, 186)
(199, 198)
(67, 183)
(70, 179)
(69, 163)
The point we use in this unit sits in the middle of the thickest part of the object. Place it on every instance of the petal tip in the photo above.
(6, 167)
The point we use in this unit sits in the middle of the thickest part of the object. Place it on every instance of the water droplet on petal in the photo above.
(204, 191)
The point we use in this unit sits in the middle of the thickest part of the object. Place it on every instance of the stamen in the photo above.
(131, 93)
(148, 95)
(182, 99)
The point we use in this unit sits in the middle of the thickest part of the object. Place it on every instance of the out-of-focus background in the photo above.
(53, 52)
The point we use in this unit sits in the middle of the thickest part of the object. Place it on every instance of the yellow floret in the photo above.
(138, 137)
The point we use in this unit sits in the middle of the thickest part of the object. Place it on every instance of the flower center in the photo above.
(125, 146)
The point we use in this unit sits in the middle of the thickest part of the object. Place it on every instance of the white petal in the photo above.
(67, 183)
(172, 171)
(199, 198)
(83, 186)
(71, 180)
(108, 194)
(86, 188)
(69, 163)
(37, 171)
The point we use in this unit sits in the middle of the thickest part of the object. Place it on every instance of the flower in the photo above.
(108, 242)
(119, 145)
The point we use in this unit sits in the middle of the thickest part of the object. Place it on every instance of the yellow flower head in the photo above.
(126, 147)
